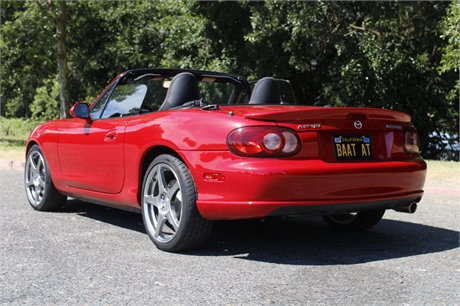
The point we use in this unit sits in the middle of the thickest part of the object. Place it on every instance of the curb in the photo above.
(442, 191)
(12, 164)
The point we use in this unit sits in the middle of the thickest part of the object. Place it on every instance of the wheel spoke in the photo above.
(42, 183)
(40, 165)
(173, 190)
(36, 196)
(172, 218)
(151, 214)
(160, 224)
(162, 185)
(151, 200)
(32, 164)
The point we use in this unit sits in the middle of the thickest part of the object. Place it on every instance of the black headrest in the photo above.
(183, 88)
(266, 91)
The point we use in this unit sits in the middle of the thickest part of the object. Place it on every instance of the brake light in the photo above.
(353, 116)
(411, 141)
(263, 141)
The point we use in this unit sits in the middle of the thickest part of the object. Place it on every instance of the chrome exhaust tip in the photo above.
(411, 208)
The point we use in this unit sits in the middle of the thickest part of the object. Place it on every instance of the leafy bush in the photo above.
(45, 105)
(16, 129)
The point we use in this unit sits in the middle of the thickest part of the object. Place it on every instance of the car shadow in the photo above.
(310, 241)
(117, 217)
(298, 241)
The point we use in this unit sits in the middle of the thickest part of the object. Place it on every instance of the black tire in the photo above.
(40, 190)
(169, 210)
(355, 221)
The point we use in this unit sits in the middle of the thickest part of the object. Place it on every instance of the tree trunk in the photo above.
(61, 31)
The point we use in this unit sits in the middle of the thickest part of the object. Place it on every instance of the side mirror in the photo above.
(80, 110)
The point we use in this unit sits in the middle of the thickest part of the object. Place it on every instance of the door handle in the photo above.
(111, 136)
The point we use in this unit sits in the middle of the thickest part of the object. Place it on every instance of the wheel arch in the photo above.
(147, 158)
(54, 166)
(30, 144)
(51, 198)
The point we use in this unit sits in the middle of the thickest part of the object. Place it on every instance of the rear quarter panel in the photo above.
(182, 130)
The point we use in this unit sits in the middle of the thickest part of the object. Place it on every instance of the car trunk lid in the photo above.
(299, 113)
(344, 134)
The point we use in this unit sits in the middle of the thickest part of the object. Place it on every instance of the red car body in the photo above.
(105, 160)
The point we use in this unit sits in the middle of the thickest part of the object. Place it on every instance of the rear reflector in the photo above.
(214, 177)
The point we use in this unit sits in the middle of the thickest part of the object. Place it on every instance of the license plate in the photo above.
(352, 147)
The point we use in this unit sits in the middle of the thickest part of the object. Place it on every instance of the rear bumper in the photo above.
(247, 210)
(256, 187)
(398, 205)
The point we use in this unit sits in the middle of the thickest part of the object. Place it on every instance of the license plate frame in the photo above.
(352, 147)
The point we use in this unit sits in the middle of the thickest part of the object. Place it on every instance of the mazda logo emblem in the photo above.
(358, 124)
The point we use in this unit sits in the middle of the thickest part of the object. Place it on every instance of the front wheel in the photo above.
(355, 221)
(40, 190)
(170, 215)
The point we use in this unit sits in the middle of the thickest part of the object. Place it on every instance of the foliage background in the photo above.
(394, 55)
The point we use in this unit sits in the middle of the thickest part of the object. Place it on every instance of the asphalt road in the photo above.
(92, 255)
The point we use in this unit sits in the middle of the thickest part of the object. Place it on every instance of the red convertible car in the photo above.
(187, 147)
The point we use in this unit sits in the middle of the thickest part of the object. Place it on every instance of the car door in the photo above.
(91, 154)
(91, 151)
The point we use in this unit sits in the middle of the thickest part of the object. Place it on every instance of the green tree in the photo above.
(26, 57)
(451, 52)
(225, 25)
(382, 54)
(45, 105)
(27, 35)
(398, 54)
(131, 34)
(126, 38)
(57, 13)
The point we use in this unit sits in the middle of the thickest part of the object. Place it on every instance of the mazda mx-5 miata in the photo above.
(187, 147)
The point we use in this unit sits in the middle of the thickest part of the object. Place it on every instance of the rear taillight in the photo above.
(263, 141)
(411, 141)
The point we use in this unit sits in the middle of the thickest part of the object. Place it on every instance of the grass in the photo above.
(13, 136)
(9, 152)
(443, 173)
(444, 169)
(16, 128)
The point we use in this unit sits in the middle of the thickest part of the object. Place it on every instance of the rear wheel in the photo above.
(170, 215)
(40, 190)
(355, 221)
